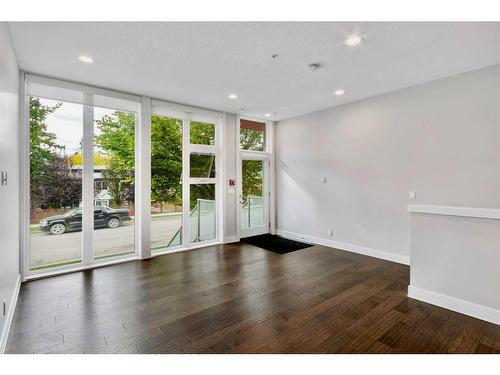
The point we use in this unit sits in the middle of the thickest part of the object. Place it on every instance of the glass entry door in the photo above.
(253, 197)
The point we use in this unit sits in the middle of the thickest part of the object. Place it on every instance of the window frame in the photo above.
(188, 114)
(267, 135)
(267, 156)
(86, 94)
(144, 106)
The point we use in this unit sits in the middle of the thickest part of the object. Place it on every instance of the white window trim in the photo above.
(187, 114)
(88, 257)
(84, 90)
(143, 179)
(146, 106)
(266, 155)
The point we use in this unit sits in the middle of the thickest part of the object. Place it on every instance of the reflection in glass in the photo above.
(166, 182)
(202, 218)
(202, 165)
(252, 206)
(56, 130)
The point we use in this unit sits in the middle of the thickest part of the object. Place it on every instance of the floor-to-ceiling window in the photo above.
(166, 182)
(90, 184)
(56, 131)
(114, 183)
(184, 163)
(81, 171)
(203, 160)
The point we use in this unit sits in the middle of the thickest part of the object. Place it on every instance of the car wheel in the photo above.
(114, 222)
(57, 228)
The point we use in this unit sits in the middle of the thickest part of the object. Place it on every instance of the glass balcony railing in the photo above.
(202, 223)
(252, 212)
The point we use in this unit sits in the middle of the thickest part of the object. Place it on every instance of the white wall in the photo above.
(9, 162)
(230, 160)
(441, 139)
(455, 263)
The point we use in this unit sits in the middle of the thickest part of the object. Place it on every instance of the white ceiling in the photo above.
(201, 63)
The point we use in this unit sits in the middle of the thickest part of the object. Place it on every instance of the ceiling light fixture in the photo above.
(233, 96)
(339, 92)
(86, 59)
(353, 40)
(268, 115)
(313, 67)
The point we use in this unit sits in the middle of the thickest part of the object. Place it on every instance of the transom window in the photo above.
(252, 135)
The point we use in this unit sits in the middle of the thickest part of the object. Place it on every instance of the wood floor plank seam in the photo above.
(238, 298)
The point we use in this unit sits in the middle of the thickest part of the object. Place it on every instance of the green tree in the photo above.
(251, 170)
(116, 140)
(59, 187)
(43, 148)
(251, 139)
(252, 175)
(42, 143)
(166, 160)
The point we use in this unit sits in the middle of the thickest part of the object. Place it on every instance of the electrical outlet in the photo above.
(412, 195)
(330, 232)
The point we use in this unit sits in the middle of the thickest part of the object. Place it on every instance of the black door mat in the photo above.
(275, 244)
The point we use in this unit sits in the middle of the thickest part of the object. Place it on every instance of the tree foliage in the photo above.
(52, 184)
(43, 145)
(166, 160)
(114, 145)
(251, 170)
(100, 160)
(117, 140)
(251, 139)
(252, 175)
(59, 187)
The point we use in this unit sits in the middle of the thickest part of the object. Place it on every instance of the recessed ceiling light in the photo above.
(233, 96)
(268, 115)
(339, 92)
(242, 109)
(353, 40)
(86, 59)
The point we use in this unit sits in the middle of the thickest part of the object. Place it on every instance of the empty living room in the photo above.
(219, 180)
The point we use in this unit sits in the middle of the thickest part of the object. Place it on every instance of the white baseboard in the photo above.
(386, 255)
(10, 316)
(231, 239)
(451, 303)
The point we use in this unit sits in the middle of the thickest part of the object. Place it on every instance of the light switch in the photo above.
(412, 195)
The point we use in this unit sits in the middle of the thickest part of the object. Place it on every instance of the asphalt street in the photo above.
(49, 249)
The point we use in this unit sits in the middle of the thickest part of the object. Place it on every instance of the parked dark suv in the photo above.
(104, 216)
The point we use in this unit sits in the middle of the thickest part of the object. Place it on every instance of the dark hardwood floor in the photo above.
(241, 299)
